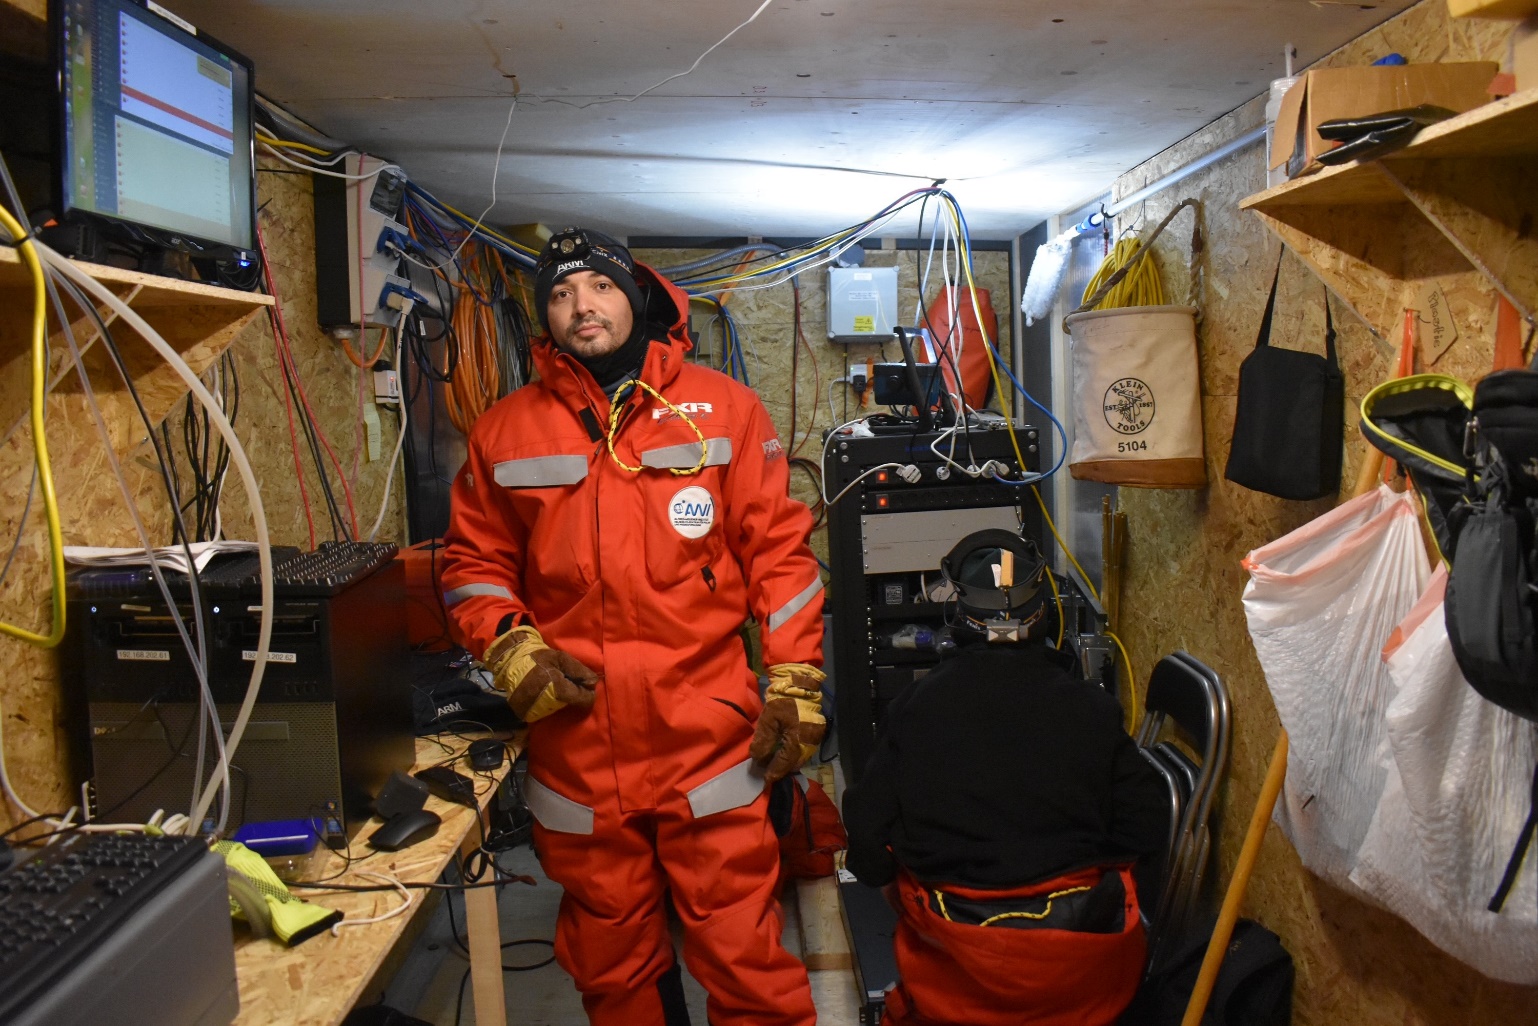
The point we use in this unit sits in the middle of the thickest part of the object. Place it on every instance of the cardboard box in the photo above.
(1492, 8)
(1327, 93)
(1524, 54)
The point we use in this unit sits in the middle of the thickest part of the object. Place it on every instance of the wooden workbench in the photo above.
(318, 982)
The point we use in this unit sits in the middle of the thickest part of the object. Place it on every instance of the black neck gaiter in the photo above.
(612, 369)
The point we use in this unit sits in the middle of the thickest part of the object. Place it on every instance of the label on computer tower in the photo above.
(249, 655)
(144, 655)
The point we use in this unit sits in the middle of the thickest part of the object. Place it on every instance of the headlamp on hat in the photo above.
(1000, 583)
(580, 249)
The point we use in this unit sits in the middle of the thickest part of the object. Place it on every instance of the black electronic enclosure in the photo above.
(332, 720)
(156, 144)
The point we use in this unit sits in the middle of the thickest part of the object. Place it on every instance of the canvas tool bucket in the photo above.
(1137, 416)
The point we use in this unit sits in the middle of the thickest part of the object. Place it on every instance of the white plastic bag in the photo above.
(1458, 792)
(1321, 603)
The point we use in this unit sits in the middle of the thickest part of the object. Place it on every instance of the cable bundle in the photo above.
(1141, 287)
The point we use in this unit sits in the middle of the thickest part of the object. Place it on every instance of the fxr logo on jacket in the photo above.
(693, 409)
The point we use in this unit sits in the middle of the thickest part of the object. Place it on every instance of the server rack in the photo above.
(885, 541)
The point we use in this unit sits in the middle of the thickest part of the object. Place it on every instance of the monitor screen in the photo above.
(157, 126)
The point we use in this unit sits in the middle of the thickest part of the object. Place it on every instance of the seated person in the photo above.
(1008, 804)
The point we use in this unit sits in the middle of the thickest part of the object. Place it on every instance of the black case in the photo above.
(1289, 427)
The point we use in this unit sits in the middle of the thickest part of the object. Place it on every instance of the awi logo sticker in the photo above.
(692, 511)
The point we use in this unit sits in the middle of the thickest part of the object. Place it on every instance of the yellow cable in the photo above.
(739, 275)
(977, 312)
(495, 235)
(286, 145)
(1044, 913)
(39, 441)
(1058, 598)
(617, 405)
(1131, 683)
(1064, 545)
(1141, 287)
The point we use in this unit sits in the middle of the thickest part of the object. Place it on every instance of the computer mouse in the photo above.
(405, 829)
(486, 754)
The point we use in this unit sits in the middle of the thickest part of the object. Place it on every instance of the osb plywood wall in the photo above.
(766, 320)
(1356, 965)
(92, 510)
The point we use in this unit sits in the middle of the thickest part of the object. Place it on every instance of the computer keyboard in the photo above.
(59, 902)
(327, 571)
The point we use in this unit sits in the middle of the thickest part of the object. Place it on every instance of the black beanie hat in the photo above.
(581, 249)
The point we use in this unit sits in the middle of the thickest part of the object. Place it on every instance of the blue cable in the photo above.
(791, 267)
(1062, 450)
(522, 259)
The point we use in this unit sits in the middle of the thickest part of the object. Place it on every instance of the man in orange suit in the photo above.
(613, 526)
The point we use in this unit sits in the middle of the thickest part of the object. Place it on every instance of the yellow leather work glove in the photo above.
(792, 726)
(537, 679)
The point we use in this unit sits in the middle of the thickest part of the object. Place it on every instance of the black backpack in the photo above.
(1492, 603)
(1253, 988)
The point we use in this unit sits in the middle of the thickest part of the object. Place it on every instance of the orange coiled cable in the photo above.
(476, 380)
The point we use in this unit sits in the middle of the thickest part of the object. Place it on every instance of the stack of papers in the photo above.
(169, 557)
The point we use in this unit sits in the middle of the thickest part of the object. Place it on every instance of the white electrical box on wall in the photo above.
(862, 303)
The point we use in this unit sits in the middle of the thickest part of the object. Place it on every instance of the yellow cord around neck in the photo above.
(617, 406)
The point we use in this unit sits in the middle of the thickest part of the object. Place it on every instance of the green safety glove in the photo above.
(258, 897)
(792, 726)
(537, 679)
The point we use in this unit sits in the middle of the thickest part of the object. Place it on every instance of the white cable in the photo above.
(826, 258)
(950, 432)
(823, 488)
(406, 902)
(55, 825)
(199, 663)
(832, 415)
(496, 169)
(248, 479)
(400, 440)
(303, 155)
(629, 99)
(5, 780)
(862, 477)
(322, 171)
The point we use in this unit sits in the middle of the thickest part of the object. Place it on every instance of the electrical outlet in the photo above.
(387, 387)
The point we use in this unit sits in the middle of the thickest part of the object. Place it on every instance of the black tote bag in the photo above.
(1289, 427)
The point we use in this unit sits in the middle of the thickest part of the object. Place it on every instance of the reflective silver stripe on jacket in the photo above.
(556, 812)
(718, 453)
(540, 471)
(795, 605)
(732, 789)
(464, 591)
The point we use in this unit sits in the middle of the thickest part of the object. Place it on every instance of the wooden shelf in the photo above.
(199, 321)
(1457, 206)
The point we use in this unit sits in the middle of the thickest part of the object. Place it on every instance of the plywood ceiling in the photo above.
(811, 117)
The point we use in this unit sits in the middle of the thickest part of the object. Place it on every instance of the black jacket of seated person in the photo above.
(999, 769)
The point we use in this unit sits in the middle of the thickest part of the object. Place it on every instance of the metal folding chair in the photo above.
(1151, 875)
(1186, 693)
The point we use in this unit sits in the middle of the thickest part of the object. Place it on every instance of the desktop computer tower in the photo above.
(331, 722)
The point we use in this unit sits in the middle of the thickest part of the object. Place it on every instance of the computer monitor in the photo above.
(156, 145)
